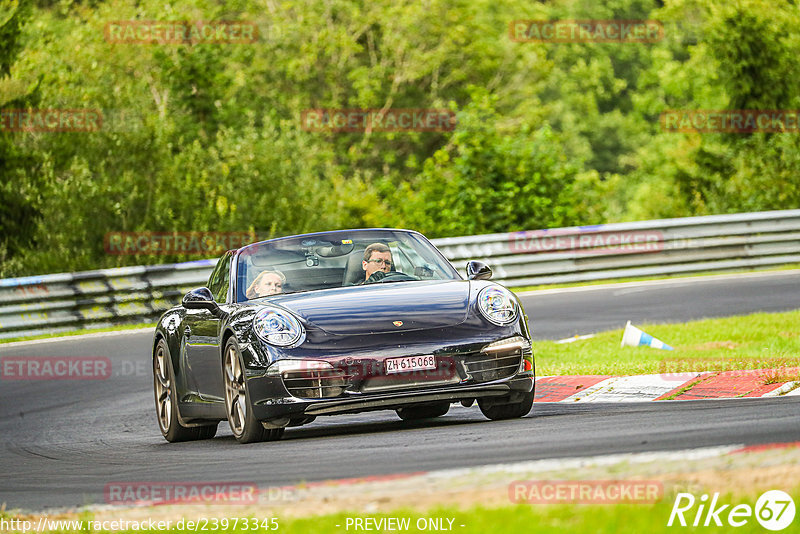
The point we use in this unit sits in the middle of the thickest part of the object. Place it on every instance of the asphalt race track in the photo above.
(63, 441)
(556, 314)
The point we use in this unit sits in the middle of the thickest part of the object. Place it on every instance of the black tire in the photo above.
(510, 410)
(425, 411)
(245, 427)
(166, 403)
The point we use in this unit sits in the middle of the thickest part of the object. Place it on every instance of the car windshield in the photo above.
(334, 259)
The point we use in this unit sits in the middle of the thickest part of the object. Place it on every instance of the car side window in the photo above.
(220, 278)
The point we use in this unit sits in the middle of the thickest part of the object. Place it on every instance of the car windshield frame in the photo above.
(293, 257)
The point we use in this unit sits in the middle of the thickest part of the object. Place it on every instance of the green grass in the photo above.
(762, 340)
(523, 518)
(523, 289)
(605, 519)
(80, 332)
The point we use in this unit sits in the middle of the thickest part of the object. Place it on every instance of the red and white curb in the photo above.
(670, 386)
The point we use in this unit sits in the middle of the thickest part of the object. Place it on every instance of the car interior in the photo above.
(325, 267)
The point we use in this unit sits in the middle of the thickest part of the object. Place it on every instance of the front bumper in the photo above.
(291, 407)
(472, 361)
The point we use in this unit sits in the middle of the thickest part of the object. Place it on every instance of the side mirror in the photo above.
(200, 299)
(477, 270)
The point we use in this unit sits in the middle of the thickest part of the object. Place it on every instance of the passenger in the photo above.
(266, 283)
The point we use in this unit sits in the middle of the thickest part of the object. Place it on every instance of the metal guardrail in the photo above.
(94, 299)
(716, 243)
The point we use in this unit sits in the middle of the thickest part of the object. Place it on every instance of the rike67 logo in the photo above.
(774, 510)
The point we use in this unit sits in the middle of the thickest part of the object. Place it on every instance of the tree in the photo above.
(18, 184)
(489, 180)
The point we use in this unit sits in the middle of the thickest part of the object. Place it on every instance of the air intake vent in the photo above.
(315, 384)
(497, 360)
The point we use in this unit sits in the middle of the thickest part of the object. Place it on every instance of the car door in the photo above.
(201, 331)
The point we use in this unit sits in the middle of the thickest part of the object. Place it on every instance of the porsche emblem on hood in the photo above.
(398, 323)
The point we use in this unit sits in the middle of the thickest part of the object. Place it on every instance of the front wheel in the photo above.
(245, 427)
(166, 403)
(510, 410)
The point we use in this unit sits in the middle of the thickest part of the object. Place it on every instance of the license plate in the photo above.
(410, 363)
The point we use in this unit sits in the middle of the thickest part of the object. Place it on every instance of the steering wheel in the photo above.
(391, 276)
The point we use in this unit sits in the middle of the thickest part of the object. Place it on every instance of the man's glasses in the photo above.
(388, 263)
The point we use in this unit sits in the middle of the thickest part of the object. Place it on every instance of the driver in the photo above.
(377, 263)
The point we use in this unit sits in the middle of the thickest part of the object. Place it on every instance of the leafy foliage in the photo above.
(19, 200)
(209, 136)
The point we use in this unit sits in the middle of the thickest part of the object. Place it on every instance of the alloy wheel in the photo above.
(235, 396)
(163, 389)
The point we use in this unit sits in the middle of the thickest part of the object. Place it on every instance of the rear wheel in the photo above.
(166, 402)
(425, 411)
(245, 427)
(494, 410)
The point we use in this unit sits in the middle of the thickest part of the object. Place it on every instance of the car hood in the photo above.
(374, 309)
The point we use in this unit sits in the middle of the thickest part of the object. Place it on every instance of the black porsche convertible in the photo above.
(338, 322)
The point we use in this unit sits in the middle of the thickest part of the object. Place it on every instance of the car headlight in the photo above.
(278, 327)
(497, 305)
